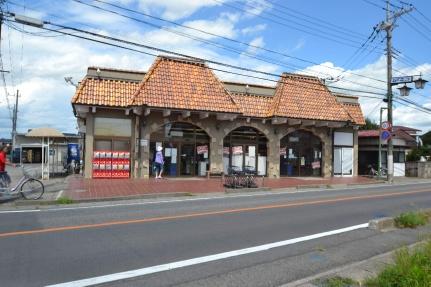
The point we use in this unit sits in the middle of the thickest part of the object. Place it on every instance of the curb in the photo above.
(143, 196)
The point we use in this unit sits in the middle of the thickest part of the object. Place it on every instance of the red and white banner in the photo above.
(283, 151)
(237, 149)
(201, 149)
(315, 164)
(226, 150)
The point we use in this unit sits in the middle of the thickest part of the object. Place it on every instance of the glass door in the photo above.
(343, 161)
(187, 160)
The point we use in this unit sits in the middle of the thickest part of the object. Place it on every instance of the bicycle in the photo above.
(27, 187)
(376, 173)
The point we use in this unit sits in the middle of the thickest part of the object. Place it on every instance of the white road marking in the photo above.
(199, 260)
(59, 194)
(254, 194)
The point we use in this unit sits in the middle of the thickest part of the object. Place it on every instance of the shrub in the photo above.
(411, 219)
(336, 281)
(64, 200)
(410, 269)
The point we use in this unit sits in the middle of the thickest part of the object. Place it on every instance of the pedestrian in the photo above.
(159, 161)
(4, 177)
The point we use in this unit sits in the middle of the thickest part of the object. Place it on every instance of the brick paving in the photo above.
(79, 188)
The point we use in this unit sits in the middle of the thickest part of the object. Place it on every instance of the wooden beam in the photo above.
(336, 124)
(308, 123)
(226, 117)
(147, 111)
(278, 121)
(322, 124)
(137, 111)
(204, 115)
(294, 122)
(185, 114)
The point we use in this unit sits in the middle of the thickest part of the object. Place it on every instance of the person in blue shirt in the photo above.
(159, 161)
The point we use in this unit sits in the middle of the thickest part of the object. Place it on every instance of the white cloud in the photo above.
(253, 29)
(174, 10)
(256, 42)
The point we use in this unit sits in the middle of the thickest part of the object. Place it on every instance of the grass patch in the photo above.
(336, 281)
(410, 269)
(411, 219)
(64, 200)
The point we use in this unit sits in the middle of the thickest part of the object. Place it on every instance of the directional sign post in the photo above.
(386, 135)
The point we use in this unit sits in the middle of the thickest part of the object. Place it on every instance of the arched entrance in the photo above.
(245, 148)
(185, 148)
(300, 154)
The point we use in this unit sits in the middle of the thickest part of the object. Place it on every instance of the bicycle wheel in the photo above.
(32, 189)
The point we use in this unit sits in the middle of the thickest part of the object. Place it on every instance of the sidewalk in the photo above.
(79, 188)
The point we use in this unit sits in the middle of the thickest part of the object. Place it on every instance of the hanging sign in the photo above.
(201, 149)
(386, 126)
(315, 164)
(283, 151)
(402, 80)
(386, 135)
(237, 149)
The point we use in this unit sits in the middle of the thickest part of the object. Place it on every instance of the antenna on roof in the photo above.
(69, 81)
(98, 72)
(247, 89)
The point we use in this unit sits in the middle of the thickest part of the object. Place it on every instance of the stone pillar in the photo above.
(216, 152)
(134, 167)
(144, 157)
(273, 146)
(355, 153)
(327, 151)
(89, 145)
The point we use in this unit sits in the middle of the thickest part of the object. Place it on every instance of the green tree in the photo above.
(426, 138)
(369, 125)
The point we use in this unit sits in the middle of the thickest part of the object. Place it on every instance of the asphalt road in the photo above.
(57, 245)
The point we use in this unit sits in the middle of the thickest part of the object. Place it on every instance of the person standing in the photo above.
(4, 177)
(159, 161)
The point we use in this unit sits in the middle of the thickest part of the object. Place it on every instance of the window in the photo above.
(112, 127)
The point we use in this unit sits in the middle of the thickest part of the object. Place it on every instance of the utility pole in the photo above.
(389, 26)
(14, 120)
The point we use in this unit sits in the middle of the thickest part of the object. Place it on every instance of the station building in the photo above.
(295, 128)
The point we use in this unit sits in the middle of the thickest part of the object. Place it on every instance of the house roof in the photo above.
(183, 84)
(253, 105)
(177, 83)
(368, 133)
(355, 112)
(105, 92)
(305, 97)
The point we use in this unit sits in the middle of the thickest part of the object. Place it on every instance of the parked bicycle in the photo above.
(376, 173)
(27, 187)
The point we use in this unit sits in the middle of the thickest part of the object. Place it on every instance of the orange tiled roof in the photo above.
(355, 112)
(104, 92)
(175, 83)
(305, 97)
(253, 105)
(181, 84)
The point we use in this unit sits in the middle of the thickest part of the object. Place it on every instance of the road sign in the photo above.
(386, 126)
(402, 80)
(386, 135)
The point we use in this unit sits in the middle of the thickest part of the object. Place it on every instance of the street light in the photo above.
(420, 83)
(404, 90)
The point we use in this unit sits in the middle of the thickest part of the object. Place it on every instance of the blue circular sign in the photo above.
(386, 135)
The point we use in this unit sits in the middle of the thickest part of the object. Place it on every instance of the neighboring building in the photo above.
(403, 139)
(297, 128)
(28, 150)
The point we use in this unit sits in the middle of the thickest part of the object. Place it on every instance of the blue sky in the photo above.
(39, 61)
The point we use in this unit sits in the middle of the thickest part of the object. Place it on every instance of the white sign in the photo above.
(401, 80)
(143, 142)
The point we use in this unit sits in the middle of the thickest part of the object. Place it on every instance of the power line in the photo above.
(193, 58)
(321, 34)
(209, 33)
(317, 20)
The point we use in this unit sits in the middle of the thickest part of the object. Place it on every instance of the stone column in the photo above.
(327, 147)
(89, 145)
(355, 153)
(216, 152)
(273, 146)
(144, 156)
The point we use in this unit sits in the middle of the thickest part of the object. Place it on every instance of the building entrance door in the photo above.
(187, 160)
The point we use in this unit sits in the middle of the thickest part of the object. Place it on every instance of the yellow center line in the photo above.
(199, 214)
